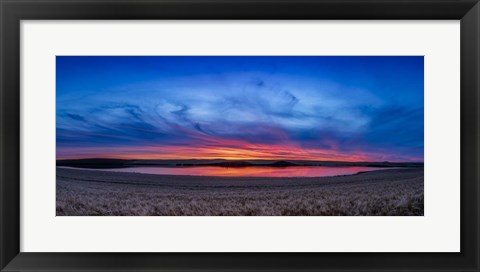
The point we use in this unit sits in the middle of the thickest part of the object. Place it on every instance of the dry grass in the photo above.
(386, 192)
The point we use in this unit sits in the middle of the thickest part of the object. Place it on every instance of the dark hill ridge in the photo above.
(283, 164)
(100, 163)
(95, 163)
(231, 164)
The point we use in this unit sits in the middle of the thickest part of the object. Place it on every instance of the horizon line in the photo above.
(139, 159)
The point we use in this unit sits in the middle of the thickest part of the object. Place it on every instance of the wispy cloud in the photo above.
(253, 112)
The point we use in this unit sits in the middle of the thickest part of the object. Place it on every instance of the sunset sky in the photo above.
(297, 108)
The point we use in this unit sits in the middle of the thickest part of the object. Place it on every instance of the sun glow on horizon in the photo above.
(256, 152)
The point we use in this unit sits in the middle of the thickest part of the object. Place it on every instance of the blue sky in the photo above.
(323, 108)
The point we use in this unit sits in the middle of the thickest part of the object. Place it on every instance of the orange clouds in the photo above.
(226, 149)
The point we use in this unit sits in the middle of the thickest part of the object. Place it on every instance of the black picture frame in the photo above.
(13, 11)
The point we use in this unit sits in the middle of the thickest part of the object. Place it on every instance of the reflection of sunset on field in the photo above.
(212, 171)
(240, 108)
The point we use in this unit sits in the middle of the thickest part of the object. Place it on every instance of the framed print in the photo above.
(237, 135)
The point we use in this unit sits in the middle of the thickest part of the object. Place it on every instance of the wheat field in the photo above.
(100, 193)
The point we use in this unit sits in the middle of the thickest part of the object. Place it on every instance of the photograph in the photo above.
(239, 135)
